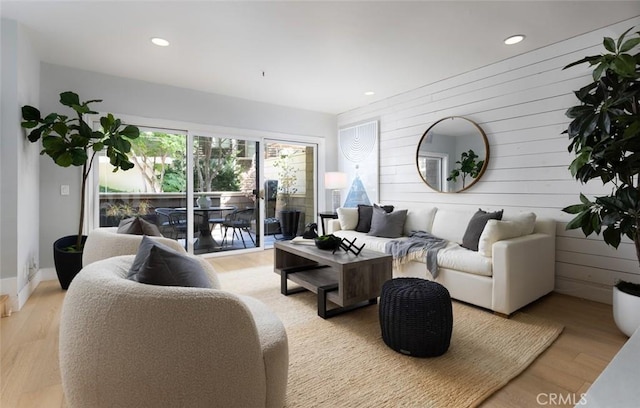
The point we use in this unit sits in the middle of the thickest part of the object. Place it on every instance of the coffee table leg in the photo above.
(322, 303)
(283, 282)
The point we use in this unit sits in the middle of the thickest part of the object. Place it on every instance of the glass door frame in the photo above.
(92, 217)
(316, 170)
(226, 134)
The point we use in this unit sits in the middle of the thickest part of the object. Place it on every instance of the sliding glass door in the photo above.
(213, 192)
(290, 182)
(225, 191)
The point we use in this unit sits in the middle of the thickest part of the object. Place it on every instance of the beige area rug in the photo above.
(343, 362)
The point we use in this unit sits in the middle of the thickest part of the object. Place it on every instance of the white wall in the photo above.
(520, 104)
(144, 99)
(19, 201)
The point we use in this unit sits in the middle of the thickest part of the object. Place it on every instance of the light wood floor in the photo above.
(30, 377)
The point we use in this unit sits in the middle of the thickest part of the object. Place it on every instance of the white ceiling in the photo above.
(320, 56)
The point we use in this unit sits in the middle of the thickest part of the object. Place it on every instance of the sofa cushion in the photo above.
(138, 226)
(348, 218)
(512, 226)
(461, 259)
(365, 213)
(476, 226)
(450, 224)
(166, 267)
(419, 219)
(371, 242)
(389, 225)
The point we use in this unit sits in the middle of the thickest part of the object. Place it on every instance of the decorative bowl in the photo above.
(327, 242)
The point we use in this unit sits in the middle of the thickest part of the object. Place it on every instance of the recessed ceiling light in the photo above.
(161, 42)
(514, 39)
(369, 93)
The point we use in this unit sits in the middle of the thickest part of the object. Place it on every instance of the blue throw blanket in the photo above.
(419, 244)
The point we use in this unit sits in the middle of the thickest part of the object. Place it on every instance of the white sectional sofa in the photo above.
(514, 264)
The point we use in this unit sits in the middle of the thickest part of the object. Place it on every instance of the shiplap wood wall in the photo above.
(520, 103)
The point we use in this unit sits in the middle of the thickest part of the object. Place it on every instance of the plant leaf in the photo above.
(612, 236)
(130, 131)
(575, 209)
(609, 44)
(69, 99)
(29, 113)
(621, 38)
(597, 73)
(629, 45)
(582, 61)
(624, 66)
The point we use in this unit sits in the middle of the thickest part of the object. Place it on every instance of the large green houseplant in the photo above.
(71, 141)
(605, 136)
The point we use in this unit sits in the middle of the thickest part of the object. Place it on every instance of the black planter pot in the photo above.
(289, 220)
(68, 264)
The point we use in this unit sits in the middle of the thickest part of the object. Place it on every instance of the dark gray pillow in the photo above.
(138, 226)
(365, 212)
(169, 268)
(476, 226)
(387, 225)
(143, 253)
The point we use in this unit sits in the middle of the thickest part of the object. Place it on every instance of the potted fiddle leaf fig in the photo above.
(70, 141)
(605, 136)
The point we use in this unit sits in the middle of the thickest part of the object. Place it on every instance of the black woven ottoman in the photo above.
(416, 317)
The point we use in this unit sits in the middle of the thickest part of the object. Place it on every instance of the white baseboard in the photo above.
(48, 274)
(584, 290)
(9, 286)
(28, 289)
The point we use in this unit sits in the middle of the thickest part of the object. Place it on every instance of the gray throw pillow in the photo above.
(168, 268)
(141, 256)
(138, 226)
(387, 225)
(476, 226)
(365, 213)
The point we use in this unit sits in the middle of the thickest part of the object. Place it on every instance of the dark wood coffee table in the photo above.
(342, 278)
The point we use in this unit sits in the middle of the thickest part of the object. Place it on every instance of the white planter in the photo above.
(626, 311)
(204, 202)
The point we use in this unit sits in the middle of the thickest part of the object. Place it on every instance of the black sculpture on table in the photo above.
(310, 231)
(350, 246)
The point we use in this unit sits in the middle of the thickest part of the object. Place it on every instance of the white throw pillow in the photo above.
(511, 226)
(419, 219)
(348, 218)
(525, 221)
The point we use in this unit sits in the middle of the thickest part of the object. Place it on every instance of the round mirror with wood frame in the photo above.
(452, 154)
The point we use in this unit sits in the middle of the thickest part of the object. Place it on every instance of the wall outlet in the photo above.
(64, 189)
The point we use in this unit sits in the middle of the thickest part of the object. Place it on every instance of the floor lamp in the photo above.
(335, 181)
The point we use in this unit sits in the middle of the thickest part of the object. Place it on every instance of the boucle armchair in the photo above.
(105, 243)
(127, 344)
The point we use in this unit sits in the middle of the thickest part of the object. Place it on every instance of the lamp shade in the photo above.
(335, 180)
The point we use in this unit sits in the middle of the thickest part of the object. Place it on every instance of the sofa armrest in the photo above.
(523, 271)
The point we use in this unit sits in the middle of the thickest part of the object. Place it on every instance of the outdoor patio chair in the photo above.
(178, 222)
(163, 222)
(213, 221)
(239, 222)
